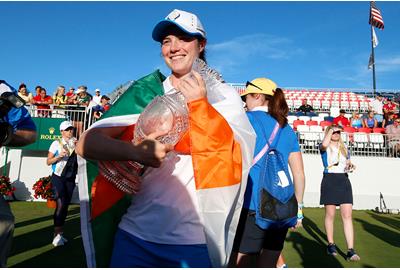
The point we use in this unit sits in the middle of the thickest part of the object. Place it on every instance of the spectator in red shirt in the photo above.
(341, 120)
(389, 106)
(42, 102)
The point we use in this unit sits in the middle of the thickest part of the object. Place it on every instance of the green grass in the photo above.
(377, 240)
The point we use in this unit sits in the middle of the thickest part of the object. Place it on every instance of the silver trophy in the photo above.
(167, 113)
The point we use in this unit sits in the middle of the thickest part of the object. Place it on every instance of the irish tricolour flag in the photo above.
(220, 141)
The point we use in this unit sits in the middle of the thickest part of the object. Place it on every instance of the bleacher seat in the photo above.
(325, 124)
(316, 104)
(317, 118)
(345, 105)
(349, 129)
(312, 123)
(354, 105)
(325, 104)
(296, 123)
(364, 130)
(360, 139)
(303, 128)
(378, 130)
(376, 140)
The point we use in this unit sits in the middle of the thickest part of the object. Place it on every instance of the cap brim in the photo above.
(67, 128)
(159, 30)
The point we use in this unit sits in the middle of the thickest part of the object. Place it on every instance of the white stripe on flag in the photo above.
(375, 40)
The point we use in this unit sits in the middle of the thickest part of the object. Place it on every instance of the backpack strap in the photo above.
(269, 142)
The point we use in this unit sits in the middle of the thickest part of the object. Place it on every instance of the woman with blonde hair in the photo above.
(59, 98)
(336, 189)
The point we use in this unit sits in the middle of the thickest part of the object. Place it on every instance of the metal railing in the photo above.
(359, 143)
(81, 117)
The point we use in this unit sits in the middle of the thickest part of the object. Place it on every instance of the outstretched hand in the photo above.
(151, 152)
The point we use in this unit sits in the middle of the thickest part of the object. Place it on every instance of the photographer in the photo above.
(16, 129)
(336, 189)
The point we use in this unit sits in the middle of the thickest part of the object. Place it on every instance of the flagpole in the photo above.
(373, 61)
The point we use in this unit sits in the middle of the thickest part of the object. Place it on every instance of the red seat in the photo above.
(364, 129)
(378, 130)
(349, 129)
(312, 123)
(325, 124)
(296, 123)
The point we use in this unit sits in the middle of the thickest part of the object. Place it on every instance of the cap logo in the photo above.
(174, 15)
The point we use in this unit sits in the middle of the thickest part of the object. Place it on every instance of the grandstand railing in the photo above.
(359, 143)
(81, 117)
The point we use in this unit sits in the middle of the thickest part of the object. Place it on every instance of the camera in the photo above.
(8, 100)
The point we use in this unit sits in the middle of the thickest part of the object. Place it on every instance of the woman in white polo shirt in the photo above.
(186, 212)
(63, 177)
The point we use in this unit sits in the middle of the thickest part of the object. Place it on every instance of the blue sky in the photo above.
(105, 44)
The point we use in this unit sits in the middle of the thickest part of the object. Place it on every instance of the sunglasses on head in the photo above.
(252, 84)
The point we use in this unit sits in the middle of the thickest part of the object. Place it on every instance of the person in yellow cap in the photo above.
(267, 111)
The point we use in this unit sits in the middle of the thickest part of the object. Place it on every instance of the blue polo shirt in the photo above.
(286, 144)
(18, 118)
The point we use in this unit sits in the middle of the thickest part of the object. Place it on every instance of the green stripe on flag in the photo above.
(132, 101)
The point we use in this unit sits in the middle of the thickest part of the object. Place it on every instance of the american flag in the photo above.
(375, 16)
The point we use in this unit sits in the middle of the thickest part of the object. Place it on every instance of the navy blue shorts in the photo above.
(131, 251)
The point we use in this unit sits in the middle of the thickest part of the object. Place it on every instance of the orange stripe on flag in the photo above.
(216, 156)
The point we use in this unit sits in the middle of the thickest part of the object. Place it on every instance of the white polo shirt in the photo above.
(165, 210)
(56, 148)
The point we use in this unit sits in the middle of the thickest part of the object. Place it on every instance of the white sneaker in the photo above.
(58, 240)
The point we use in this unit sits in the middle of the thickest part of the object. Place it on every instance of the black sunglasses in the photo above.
(252, 84)
(336, 132)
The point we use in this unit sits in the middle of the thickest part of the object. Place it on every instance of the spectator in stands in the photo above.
(305, 109)
(98, 110)
(341, 120)
(370, 121)
(82, 97)
(59, 98)
(97, 97)
(266, 105)
(23, 93)
(42, 102)
(356, 120)
(376, 106)
(393, 135)
(389, 119)
(336, 189)
(37, 90)
(70, 95)
(389, 107)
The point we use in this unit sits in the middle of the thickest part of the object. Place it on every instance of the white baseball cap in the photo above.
(64, 125)
(187, 22)
(97, 90)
